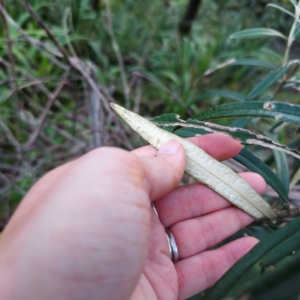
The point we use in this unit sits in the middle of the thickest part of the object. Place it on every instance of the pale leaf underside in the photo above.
(203, 167)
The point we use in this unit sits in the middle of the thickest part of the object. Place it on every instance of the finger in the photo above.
(219, 146)
(196, 235)
(190, 201)
(164, 171)
(201, 271)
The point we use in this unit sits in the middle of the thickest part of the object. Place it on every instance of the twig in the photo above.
(57, 103)
(96, 115)
(12, 71)
(291, 35)
(67, 135)
(26, 85)
(44, 45)
(185, 24)
(288, 213)
(84, 70)
(47, 30)
(138, 95)
(113, 118)
(65, 27)
(220, 66)
(156, 83)
(286, 76)
(32, 40)
(11, 184)
(10, 136)
(7, 167)
(37, 44)
(43, 116)
(117, 52)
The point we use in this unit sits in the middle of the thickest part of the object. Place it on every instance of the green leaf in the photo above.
(256, 32)
(166, 119)
(219, 93)
(272, 54)
(281, 8)
(294, 2)
(268, 252)
(190, 132)
(259, 232)
(189, 128)
(254, 62)
(254, 164)
(240, 122)
(281, 283)
(265, 98)
(268, 81)
(297, 32)
(170, 75)
(295, 179)
(282, 169)
(277, 110)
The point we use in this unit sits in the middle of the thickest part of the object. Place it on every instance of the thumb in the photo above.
(164, 171)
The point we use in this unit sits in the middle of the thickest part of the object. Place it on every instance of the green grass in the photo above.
(164, 73)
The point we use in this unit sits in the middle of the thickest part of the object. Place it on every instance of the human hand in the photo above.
(86, 230)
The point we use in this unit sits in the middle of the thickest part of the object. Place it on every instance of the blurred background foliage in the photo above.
(62, 61)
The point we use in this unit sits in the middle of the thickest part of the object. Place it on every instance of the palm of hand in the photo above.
(197, 223)
(199, 219)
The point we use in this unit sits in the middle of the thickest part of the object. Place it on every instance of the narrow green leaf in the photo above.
(167, 118)
(281, 283)
(297, 32)
(173, 123)
(268, 81)
(240, 122)
(171, 75)
(219, 93)
(156, 82)
(281, 8)
(259, 232)
(254, 62)
(254, 164)
(190, 132)
(257, 32)
(282, 169)
(294, 2)
(272, 54)
(265, 98)
(277, 110)
(268, 252)
(295, 179)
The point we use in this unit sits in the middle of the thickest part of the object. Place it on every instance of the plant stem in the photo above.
(118, 53)
(291, 35)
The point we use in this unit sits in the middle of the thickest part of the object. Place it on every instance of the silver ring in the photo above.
(174, 253)
(169, 245)
(172, 246)
(154, 209)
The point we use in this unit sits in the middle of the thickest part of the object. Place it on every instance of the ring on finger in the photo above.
(173, 249)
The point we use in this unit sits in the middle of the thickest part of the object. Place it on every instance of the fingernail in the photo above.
(170, 147)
